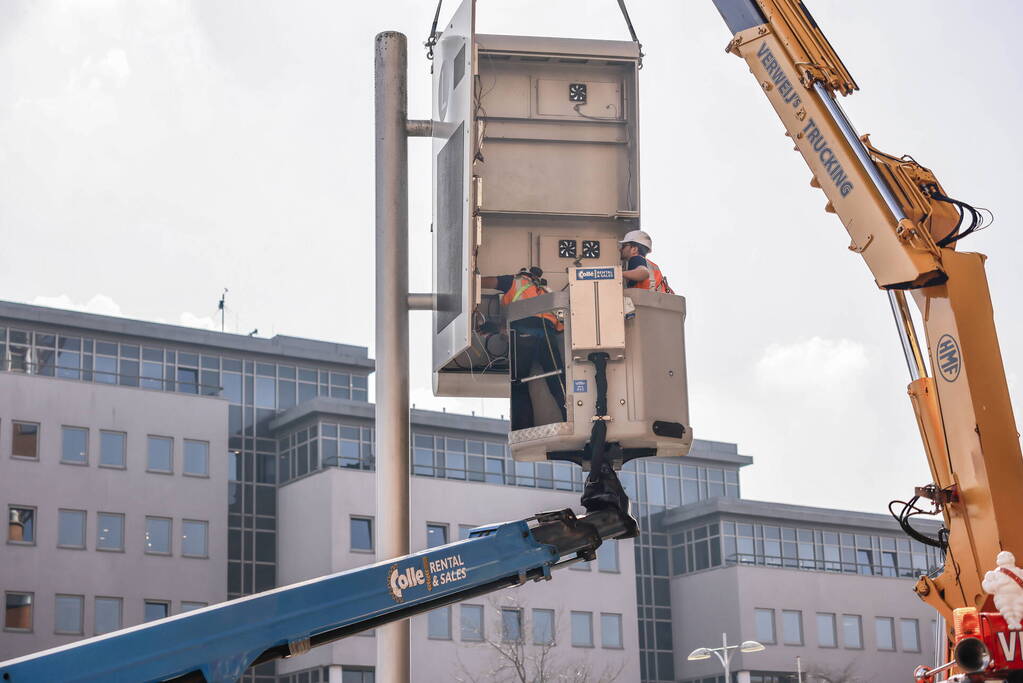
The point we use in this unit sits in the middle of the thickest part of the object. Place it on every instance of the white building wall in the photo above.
(314, 540)
(723, 601)
(47, 485)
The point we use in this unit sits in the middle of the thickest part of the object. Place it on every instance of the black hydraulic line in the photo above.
(603, 490)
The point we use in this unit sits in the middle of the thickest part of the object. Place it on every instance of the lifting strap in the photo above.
(431, 40)
(632, 31)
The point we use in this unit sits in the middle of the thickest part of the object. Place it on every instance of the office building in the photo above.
(149, 469)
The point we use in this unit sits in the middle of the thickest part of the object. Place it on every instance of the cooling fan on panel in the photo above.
(566, 248)
(591, 249)
(577, 92)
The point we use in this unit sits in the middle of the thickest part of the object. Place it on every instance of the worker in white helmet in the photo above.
(638, 271)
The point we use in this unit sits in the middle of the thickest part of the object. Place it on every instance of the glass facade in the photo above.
(161, 368)
(656, 485)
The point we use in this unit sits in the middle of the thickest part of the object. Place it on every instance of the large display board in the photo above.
(453, 280)
(536, 166)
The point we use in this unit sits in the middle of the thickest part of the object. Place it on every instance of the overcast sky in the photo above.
(152, 154)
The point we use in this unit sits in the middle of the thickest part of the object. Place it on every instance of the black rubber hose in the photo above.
(598, 433)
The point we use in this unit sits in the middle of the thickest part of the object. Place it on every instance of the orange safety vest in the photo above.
(525, 288)
(660, 283)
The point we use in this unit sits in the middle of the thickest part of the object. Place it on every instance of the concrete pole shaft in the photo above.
(392, 354)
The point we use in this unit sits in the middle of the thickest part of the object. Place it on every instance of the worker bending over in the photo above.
(637, 270)
(536, 342)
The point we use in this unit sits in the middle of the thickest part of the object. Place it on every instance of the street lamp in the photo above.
(724, 653)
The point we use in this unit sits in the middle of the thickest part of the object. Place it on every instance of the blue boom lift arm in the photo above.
(218, 643)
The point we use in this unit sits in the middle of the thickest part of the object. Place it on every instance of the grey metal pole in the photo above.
(728, 657)
(392, 354)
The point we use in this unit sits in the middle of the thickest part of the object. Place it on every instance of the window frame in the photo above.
(916, 626)
(120, 613)
(891, 633)
(184, 458)
(124, 450)
(149, 439)
(170, 537)
(554, 627)
(461, 624)
(433, 614)
(205, 541)
(773, 640)
(123, 529)
(195, 605)
(621, 632)
(444, 528)
(64, 430)
(859, 623)
(85, 530)
(612, 551)
(31, 613)
(517, 611)
(372, 535)
(799, 624)
(15, 424)
(80, 599)
(152, 601)
(35, 519)
(589, 617)
(834, 630)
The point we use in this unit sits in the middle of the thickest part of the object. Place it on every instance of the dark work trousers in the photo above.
(530, 349)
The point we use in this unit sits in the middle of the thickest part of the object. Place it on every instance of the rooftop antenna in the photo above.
(222, 307)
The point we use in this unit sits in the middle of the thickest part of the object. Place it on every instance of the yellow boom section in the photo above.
(893, 211)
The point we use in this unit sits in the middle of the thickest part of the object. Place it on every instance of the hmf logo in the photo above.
(949, 358)
(432, 573)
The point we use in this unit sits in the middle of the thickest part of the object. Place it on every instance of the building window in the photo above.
(543, 627)
(764, 622)
(160, 454)
(472, 623)
(463, 531)
(67, 617)
(884, 632)
(582, 629)
(158, 536)
(71, 529)
(909, 629)
(18, 611)
(112, 449)
(852, 632)
(187, 606)
(156, 609)
(74, 446)
(826, 636)
(21, 525)
(792, 627)
(109, 531)
(193, 538)
(108, 615)
(611, 631)
(361, 529)
(197, 458)
(607, 557)
(25, 440)
(438, 624)
(436, 534)
(511, 624)
(349, 675)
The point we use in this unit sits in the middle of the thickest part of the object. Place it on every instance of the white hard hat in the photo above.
(638, 237)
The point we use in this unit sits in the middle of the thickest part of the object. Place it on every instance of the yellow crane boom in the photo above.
(906, 229)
